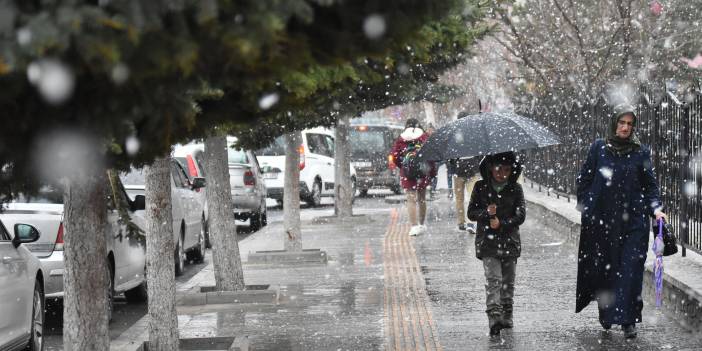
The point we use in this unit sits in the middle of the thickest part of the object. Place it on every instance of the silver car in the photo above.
(21, 290)
(245, 179)
(189, 224)
(126, 251)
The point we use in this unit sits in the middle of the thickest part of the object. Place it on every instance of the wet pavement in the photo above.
(384, 290)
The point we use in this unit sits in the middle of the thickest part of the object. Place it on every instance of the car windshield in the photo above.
(276, 148)
(236, 155)
(367, 141)
(134, 177)
(46, 195)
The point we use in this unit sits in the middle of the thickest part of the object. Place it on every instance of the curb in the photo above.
(207, 295)
(679, 299)
(288, 257)
(395, 199)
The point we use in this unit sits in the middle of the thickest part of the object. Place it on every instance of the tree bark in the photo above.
(160, 246)
(229, 275)
(85, 309)
(343, 190)
(291, 193)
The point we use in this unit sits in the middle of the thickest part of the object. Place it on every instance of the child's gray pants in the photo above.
(499, 273)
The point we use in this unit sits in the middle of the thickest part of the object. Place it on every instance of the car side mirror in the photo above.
(24, 233)
(197, 183)
(266, 169)
(139, 203)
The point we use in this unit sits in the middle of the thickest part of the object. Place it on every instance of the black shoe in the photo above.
(461, 227)
(495, 329)
(629, 331)
(495, 323)
(605, 325)
(507, 322)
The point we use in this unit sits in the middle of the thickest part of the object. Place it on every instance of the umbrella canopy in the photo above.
(486, 133)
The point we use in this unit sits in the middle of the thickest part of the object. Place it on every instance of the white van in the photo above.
(316, 166)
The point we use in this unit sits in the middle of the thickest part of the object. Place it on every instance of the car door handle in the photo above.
(328, 163)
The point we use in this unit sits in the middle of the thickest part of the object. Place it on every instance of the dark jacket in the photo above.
(511, 211)
(463, 167)
(617, 195)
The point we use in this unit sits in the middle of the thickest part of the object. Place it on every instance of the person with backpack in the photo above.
(415, 176)
(497, 204)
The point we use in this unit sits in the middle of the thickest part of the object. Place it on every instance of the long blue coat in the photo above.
(617, 195)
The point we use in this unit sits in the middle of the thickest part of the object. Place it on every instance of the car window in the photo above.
(180, 178)
(4, 235)
(318, 145)
(313, 143)
(276, 148)
(367, 141)
(200, 160)
(137, 176)
(237, 155)
(330, 145)
(183, 161)
(115, 192)
(45, 195)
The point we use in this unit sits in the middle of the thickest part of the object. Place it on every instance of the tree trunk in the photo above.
(85, 321)
(343, 190)
(160, 248)
(291, 193)
(229, 275)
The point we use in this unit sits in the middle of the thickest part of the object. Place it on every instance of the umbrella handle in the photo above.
(660, 227)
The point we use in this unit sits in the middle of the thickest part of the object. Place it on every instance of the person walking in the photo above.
(415, 187)
(497, 204)
(465, 173)
(617, 192)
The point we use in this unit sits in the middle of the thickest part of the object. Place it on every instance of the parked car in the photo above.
(21, 290)
(245, 179)
(126, 252)
(316, 166)
(189, 224)
(370, 155)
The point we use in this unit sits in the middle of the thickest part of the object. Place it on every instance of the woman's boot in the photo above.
(629, 330)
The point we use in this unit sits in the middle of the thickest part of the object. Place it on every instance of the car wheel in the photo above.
(36, 341)
(208, 243)
(198, 253)
(264, 217)
(255, 221)
(396, 189)
(315, 198)
(180, 256)
(138, 294)
(110, 291)
(353, 190)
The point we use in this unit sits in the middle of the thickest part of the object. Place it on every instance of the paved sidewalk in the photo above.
(384, 290)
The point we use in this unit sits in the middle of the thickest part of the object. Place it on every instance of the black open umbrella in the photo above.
(486, 133)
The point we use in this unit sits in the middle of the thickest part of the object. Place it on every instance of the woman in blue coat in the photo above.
(617, 195)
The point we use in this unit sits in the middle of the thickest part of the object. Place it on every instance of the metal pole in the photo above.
(684, 215)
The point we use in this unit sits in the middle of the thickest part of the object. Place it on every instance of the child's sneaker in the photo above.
(471, 228)
(422, 229)
(415, 230)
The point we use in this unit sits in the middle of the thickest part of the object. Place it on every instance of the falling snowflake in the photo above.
(268, 100)
(374, 26)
